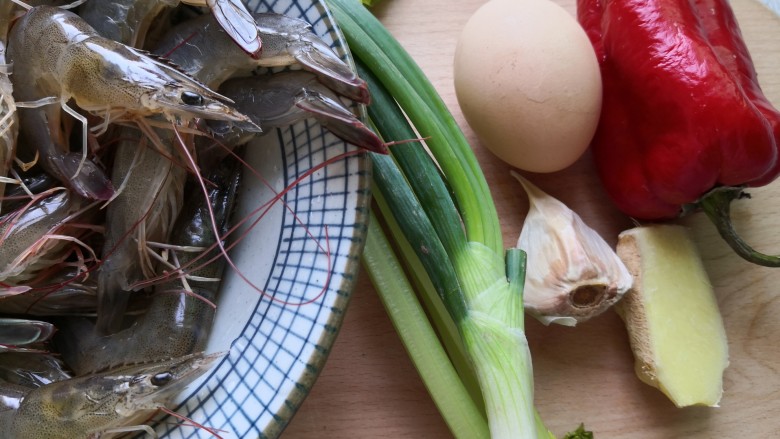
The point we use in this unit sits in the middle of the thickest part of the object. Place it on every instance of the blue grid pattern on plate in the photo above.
(248, 389)
(250, 376)
(774, 5)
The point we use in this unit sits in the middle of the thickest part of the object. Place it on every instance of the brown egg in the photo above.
(528, 83)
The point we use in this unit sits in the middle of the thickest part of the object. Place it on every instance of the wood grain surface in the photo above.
(369, 388)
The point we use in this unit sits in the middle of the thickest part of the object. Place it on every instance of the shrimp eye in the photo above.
(191, 98)
(161, 379)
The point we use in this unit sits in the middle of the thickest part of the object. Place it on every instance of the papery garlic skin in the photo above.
(572, 273)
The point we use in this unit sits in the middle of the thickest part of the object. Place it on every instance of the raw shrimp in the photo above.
(31, 238)
(33, 181)
(281, 99)
(67, 292)
(128, 21)
(144, 211)
(58, 56)
(31, 369)
(119, 400)
(18, 334)
(9, 124)
(11, 396)
(204, 51)
(180, 314)
(125, 21)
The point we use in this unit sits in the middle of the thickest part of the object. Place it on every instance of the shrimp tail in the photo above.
(112, 300)
(282, 98)
(23, 332)
(341, 122)
(86, 177)
(40, 126)
(319, 58)
(239, 24)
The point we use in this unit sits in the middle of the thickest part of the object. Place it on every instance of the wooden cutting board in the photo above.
(584, 374)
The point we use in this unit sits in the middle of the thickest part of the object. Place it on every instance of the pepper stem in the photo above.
(717, 205)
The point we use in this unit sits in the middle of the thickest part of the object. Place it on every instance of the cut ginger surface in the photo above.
(672, 316)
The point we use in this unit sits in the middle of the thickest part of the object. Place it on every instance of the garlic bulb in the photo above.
(572, 273)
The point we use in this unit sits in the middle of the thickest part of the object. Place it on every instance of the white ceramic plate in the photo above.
(277, 341)
(774, 5)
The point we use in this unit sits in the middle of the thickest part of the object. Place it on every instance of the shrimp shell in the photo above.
(9, 123)
(27, 242)
(128, 21)
(210, 56)
(176, 323)
(31, 369)
(283, 98)
(103, 77)
(145, 210)
(93, 405)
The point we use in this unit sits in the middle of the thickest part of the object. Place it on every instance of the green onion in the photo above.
(436, 311)
(447, 215)
(419, 338)
(370, 42)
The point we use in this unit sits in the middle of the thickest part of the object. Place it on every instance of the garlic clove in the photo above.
(572, 273)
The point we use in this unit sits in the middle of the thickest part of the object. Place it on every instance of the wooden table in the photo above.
(369, 388)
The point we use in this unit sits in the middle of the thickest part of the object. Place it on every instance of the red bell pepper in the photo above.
(684, 122)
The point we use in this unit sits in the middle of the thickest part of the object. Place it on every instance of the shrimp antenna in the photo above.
(7, 180)
(22, 4)
(190, 422)
(73, 4)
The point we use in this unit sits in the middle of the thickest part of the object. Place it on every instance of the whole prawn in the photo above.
(283, 98)
(23, 334)
(9, 124)
(145, 210)
(68, 291)
(71, 60)
(180, 314)
(286, 41)
(115, 401)
(128, 21)
(31, 369)
(32, 237)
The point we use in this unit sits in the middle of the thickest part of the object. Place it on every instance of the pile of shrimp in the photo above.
(121, 129)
